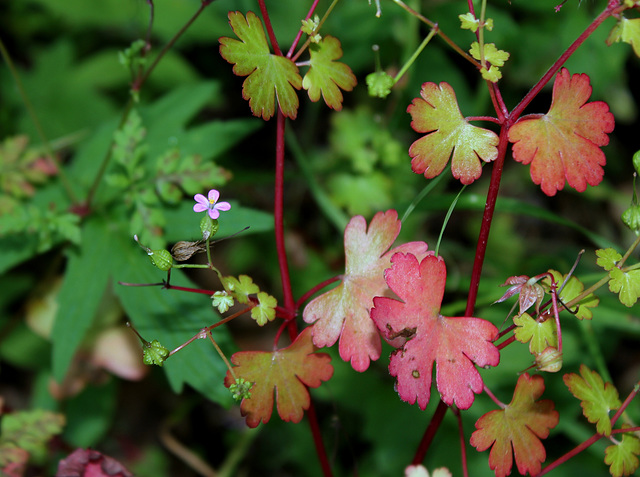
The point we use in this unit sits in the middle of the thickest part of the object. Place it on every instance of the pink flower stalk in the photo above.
(210, 204)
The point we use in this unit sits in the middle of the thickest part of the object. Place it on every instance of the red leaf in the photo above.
(564, 143)
(288, 371)
(344, 311)
(91, 463)
(453, 343)
(519, 426)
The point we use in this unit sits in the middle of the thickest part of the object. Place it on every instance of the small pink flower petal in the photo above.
(200, 207)
(201, 199)
(223, 206)
(214, 214)
(214, 195)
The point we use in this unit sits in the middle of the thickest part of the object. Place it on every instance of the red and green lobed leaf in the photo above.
(270, 76)
(596, 397)
(288, 372)
(565, 143)
(424, 336)
(623, 456)
(448, 135)
(517, 429)
(326, 75)
(343, 312)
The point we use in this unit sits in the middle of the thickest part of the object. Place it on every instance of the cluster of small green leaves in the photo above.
(24, 436)
(623, 281)
(173, 176)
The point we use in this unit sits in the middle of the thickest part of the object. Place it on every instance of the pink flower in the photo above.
(210, 204)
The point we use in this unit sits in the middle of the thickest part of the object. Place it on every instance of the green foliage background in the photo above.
(340, 164)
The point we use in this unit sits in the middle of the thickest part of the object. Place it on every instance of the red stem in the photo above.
(278, 216)
(610, 10)
(312, 417)
(270, 32)
(319, 286)
(492, 196)
(430, 433)
(299, 35)
(463, 443)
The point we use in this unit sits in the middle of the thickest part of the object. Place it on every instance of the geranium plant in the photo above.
(396, 318)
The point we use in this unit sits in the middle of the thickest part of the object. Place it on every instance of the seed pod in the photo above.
(184, 250)
(550, 360)
(161, 259)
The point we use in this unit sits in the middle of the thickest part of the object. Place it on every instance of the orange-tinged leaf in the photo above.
(565, 143)
(425, 336)
(269, 76)
(327, 76)
(437, 114)
(344, 311)
(288, 372)
(517, 429)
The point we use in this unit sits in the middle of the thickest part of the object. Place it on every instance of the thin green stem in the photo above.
(447, 217)
(416, 53)
(308, 41)
(441, 34)
(424, 192)
(36, 122)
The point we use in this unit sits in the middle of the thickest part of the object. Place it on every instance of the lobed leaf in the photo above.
(270, 76)
(539, 334)
(607, 258)
(565, 142)
(288, 372)
(596, 397)
(517, 429)
(449, 135)
(626, 284)
(423, 336)
(327, 76)
(343, 312)
(623, 457)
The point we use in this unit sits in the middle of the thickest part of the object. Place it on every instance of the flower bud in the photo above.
(208, 227)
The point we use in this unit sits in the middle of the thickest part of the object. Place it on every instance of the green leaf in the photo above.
(573, 288)
(265, 311)
(28, 430)
(491, 53)
(240, 287)
(622, 457)
(269, 76)
(448, 135)
(469, 22)
(540, 335)
(626, 284)
(596, 398)
(154, 353)
(628, 31)
(326, 75)
(607, 258)
(85, 280)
